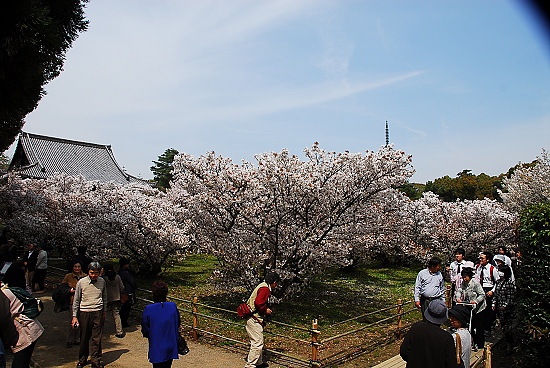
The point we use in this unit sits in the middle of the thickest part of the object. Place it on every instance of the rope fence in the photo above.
(206, 320)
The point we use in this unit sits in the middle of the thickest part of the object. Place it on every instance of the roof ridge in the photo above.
(64, 140)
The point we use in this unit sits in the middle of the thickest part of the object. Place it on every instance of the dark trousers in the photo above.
(166, 364)
(424, 303)
(478, 327)
(39, 278)
(125, 313)
(490, 315)
(22, 359)
(506, 318)
(91, 330)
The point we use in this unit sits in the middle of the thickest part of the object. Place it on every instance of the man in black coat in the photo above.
(426, 345)
(29, 261)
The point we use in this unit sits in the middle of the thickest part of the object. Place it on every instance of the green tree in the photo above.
(534, 285)
(443, 187)
(163, 169)
(412, 190)
(466, 186)
(34, 37)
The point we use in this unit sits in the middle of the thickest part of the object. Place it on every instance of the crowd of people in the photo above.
(89, 291)
(481, 294)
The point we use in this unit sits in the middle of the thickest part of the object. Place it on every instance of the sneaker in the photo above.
(120, 335)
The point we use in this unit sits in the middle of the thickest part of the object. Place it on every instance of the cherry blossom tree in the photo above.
(435, 227)
(111, 219)
(283, 213)
(528, 184)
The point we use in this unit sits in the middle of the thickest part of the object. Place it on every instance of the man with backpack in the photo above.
(255, 324)
(487, 275)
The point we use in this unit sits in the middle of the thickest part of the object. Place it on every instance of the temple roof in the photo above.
(38, 156)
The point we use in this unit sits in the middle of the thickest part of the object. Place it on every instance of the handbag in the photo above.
(182, 346)
(459, 361)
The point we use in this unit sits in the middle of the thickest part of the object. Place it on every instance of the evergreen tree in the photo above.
(163, 169)
(34, 37)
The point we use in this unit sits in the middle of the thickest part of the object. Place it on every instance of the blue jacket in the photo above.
(160, 324)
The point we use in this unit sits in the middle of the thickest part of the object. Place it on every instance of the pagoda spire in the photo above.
(387, 134)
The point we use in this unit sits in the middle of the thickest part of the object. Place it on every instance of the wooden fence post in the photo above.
(315, 343)
(195, 319)
(399, 313)
(487, 355)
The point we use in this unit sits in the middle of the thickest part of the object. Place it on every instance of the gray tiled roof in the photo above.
(38, 156)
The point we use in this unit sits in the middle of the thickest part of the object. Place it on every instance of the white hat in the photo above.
(468, 264)
(499, 257)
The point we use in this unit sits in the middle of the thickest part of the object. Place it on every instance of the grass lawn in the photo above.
(332, 298)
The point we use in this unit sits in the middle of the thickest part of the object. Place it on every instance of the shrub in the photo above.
(534, 285)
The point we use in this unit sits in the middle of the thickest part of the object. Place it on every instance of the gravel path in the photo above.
(128, 352)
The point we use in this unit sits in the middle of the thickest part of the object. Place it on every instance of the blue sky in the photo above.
(463, 84)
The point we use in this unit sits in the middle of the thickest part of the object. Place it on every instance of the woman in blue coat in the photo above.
(160, 324)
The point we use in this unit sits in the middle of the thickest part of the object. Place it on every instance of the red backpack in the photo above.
(244, 311)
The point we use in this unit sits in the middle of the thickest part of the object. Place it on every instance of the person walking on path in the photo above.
(81, 258)
(429, 285)
(41, 269)
(29, 261)
(470, 291)
(459, 318)
(71, 279)
(89, 311)
(454, 272)
(426, 345)
(160, 324)
(129, 296)
(258, 303)
(504, 304)
(115, 288)
(29, 331)
(487, 275)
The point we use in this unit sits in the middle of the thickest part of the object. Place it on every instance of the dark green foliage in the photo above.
(163, 169)
(534, 285)
(34, 37)
(466, 186)
(412, 190)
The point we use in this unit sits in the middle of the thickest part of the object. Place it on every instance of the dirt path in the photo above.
(128, 352)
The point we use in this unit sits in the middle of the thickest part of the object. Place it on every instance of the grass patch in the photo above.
(333, 297)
